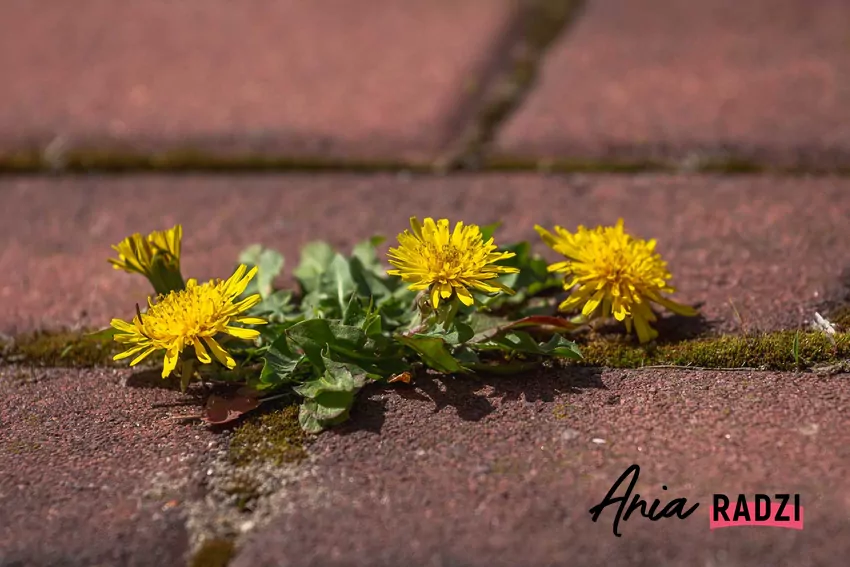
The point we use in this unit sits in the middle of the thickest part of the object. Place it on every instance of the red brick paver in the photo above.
(325, 78)
(79, 457)
(761, 79)
(771, 248)
(503, 473)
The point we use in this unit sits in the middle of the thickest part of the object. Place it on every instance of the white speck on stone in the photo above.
(420, 453)
(569, 434)
(246, 526)
(727, 436)
(598, 441)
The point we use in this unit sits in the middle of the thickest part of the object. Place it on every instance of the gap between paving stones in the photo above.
(251, 476)
(500, 86)
(81, 162)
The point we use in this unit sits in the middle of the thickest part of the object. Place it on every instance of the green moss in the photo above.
(566, 165)
(771, 351)
(732, 165)
(214, 553)
(274, 437)
(522, 75)
(60, 349)
(840, 317)
(187, 159)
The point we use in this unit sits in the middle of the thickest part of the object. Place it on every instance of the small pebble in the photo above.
(598, 441)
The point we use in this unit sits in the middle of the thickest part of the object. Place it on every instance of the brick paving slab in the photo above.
(78, 451)
(465, 472)
(774, 248)
(323, 78)
(766, 80)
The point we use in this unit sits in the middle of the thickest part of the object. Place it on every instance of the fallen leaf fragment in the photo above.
(223, 410)
(403, 377)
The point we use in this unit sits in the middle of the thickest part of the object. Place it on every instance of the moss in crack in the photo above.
(188, 159)
(769, 351)
(274, 437)
(840, 317)
(60, 349)
(565, 165)
(539, 23)
(214, 553)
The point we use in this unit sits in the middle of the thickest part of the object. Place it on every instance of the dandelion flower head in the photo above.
(609, 272)
(447, 262)
(191, 318)
(136, 253)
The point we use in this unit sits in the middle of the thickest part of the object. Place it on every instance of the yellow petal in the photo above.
(201, 352)
(644, 331)
(435, 296)
(464, 296)
(445, 290)
(242, 333)
(171, 356)
(593, 303)
(678, 308)
(250, 321)
(143, 355)
(220, 354)
(129, 352)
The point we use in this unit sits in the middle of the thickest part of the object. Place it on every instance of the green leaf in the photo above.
(338, 283)
(269, 265)
(488, 327)
(366, 253)
(433, 352)
(280, 364)
(315, 335)
(457, 334)
(522, 342)
(316, 258)
(329, 397)
(345, 343)
(561, 347)
(276, 307)
(370, 284)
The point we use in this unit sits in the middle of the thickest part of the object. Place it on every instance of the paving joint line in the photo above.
(510, 75)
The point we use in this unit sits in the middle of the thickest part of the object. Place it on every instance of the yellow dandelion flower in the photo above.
(191, 317)
(613, 274)
(431, 257)
(155, 256)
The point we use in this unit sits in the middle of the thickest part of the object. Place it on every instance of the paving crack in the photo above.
(505, 79)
